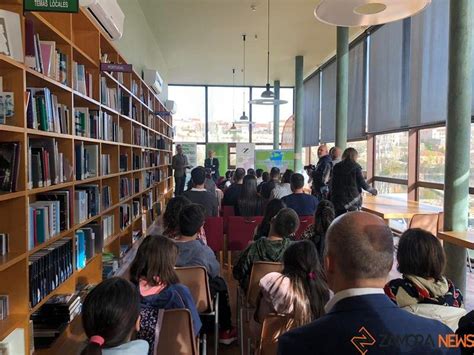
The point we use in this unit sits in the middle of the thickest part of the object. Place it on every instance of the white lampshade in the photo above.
(355, 13)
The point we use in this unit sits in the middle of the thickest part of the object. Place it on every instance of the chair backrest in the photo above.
(214, 227)
(240, 231)
(227, 211)
(195, 278)
(305, 221)
(259, 270)
(274, 325)
(428, 222)
(176, 334)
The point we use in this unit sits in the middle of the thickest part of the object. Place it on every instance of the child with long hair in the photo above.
(300, 290)
(271, 209)
(110, 315)
(152, 271)
(316, 232)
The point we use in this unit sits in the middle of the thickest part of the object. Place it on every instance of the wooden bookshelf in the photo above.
(81, 40)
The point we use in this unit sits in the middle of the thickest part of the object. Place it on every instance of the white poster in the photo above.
(245, 155)
(190, 150)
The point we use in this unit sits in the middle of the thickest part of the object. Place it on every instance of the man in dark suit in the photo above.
(212, 164)
(360, 318)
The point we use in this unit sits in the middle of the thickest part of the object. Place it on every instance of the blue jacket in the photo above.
(368, 324)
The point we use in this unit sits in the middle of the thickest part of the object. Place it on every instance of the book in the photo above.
(81, 209)
(4, 244)
(93, 199)
(9, 166)
(7, 106)
(11, 44)
(45, 112)
(80, 249)
(108, 226)
(64, 199)
(4, 307)
(48, 160)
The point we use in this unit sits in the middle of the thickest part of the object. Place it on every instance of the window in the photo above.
(262, 130)
(385, 188)
(189, 120)
(471, 176)
(286, 110)
(432, 150)
(431, 196)
(471, 212)
(225, 108)
(391, 155)
(361, 147)
(200, 154)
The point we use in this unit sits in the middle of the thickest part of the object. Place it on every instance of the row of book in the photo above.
(108, 226)
(45, 112)
(9, 166)
(109, 96)
(125, 215)
(89, 241)
(125, 187)
(4, 307)
(44, 56)
(4, 244)
(50, 267)
(148, 159)
(106, 197)
(7, 104)
(81, 79)
(86, 202)
(96, 124)
(87, 156)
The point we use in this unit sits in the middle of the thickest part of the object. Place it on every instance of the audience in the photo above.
(300, 290)
(152, 271)
(284, 187)
(249, 202)
(110, 316)
(316, 232)
(268, 186)
(265, 179)
(232, 193)
(191, 252)
(199, 194)
(358, 259)
(347, 183)
(258, 174)
(251, 171)
(335, 154)
(320, 175)
(271, 248)
(423, 289)
(271, 209)
(226, 181)
(303, 204)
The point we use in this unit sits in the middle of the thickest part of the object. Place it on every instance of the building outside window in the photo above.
(391, 155)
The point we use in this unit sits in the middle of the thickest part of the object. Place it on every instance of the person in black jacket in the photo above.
(320, 175)
(212, 163)
(347, 183)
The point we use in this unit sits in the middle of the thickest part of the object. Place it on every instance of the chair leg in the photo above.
(221, 258)
(216, 324)
(229, 261)
(469, 263)
(204, 344)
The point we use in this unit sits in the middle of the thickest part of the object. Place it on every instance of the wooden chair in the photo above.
(240, 233)
(214, 227)
(195, 278)
(176, 335)
(227, 211)
(428, 222)
(305, 222)
(273, 326)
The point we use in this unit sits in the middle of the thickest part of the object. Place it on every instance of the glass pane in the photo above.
(232, 159)
(262, 130)
(391, 155)
(201, 154)
(361, 147)
(471, 178)
(471, 212)
(432, 150)
(385, 188)
(431, 196)
(225, 107)
(189, 120)
(286, 110)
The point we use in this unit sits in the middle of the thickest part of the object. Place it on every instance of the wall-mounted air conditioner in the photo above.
(153, 79)
(171, 106)
(108, 14)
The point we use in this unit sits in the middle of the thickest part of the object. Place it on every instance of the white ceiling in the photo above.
(201, 40)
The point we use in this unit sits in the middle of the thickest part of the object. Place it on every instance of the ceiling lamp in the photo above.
(355, 13)
(244, 117)
(268, 96)
(233, 128)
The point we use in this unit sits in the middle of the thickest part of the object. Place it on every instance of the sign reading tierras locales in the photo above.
(114, 67)
(71, 6)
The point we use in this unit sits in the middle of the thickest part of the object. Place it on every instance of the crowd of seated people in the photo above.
(333, 285)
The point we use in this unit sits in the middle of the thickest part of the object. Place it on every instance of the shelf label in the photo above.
(112, 67)
(71, 6)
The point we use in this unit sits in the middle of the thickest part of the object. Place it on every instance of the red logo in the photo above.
(362, 341)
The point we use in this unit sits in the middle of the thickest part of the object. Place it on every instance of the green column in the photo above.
(299, 104)
(458, 128)
(342, 86)
(276, 116)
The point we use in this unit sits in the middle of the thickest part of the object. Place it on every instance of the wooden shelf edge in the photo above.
(10, 259)
(11, 323)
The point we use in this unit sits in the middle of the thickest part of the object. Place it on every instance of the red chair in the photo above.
(227, 211)
(240, 233)
(214, 227)
(305, 222)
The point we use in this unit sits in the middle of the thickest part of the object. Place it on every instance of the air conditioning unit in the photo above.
(108, 15)
(153, 79)
(171, 106)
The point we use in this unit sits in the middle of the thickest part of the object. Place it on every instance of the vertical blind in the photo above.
(328, 102)
(312, 98)
(357, 94)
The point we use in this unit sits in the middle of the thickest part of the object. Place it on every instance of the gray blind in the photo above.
(312, 98)
(356, 114)
(385, 78)
(328, 103)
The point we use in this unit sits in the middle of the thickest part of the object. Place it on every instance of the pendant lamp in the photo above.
(244, 117)
(268, 96)
(355, 13)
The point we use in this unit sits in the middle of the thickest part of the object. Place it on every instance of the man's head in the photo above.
(239, 175)
(265, 176)
(335, 153)
(322, 150)
(179, 149)
(210, 154)
(191, 220)
(275, 173)
(284, 223)
(359, 251)
(198, 176)
(297, 183)
(259, 173)
(251, 171)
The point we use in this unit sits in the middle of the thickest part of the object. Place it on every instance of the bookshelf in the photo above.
(127, 158)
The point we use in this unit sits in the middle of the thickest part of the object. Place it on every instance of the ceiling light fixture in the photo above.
(268, 96)
(354, 13)
(244, 117)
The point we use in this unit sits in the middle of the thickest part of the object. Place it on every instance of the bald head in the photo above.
(360, 245)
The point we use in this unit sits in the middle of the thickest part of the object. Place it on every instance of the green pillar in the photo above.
(342, 86)
(276, 116)
(458, 128)
(299, 104)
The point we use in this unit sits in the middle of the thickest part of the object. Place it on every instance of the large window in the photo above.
(225, 108)
(432, 150)
(189, 120)
(431, 196)
(386, 188)
(286, 110)
(471, 177)
(361, 147)
(391, 156)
